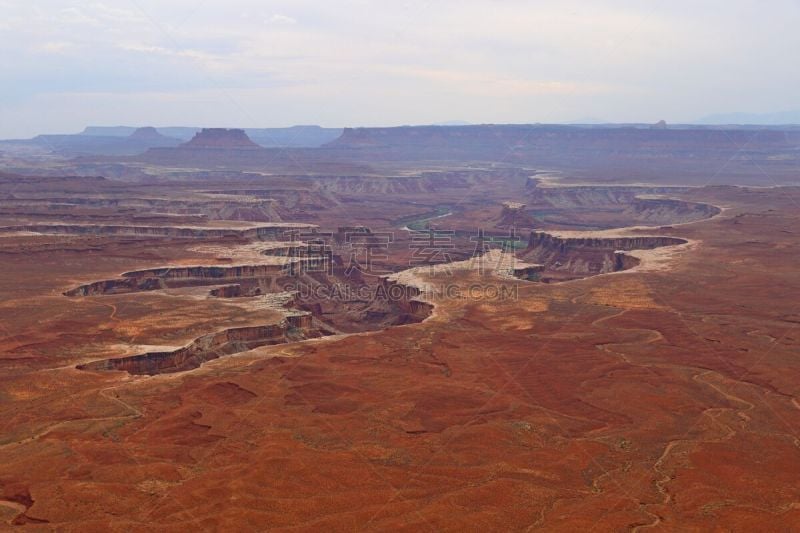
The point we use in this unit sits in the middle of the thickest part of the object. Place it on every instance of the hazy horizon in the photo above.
(360, 63)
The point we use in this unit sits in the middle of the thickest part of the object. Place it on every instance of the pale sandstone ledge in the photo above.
(217, 225)
(659, 259)
(658, 254)
(494, 262)
(257, 252)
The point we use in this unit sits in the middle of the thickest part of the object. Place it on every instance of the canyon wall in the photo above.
(272, 232)
(166, 277)
(408, 297)
(578, 256)
(540, 239)
(617, 204)
(212, 346)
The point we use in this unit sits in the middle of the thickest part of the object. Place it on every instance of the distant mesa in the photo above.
(148, 133)
(660, 125)
(294, 136)
(221, 138)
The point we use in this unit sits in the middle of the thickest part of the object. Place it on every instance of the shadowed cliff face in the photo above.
(574, 257)
(603, 207)
(408, 308)
(270, 232)
(234, 291)
(208, 347)
(668, 211)
(175, 277)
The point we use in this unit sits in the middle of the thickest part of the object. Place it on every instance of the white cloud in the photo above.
(73, 16)
(56, 47)
(400, 62)
(281, 19)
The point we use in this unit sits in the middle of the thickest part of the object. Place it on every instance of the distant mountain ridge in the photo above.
(304, 136)
(129, 140)
(764, 119)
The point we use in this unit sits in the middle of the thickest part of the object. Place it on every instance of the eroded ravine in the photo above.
(720, 430)
(398, 299)
(279, 265)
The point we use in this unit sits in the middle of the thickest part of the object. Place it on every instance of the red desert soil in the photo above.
(662, 398)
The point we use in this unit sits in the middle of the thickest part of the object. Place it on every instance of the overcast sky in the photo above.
(250, 63)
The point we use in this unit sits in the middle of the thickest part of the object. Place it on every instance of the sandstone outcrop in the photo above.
(165, 277)
(514, 215)
(579, 255)
(273, 231)
(234, 291)
(540, 239)
(613, 206)
(408, 297)
(528, 272)
(212, 346)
